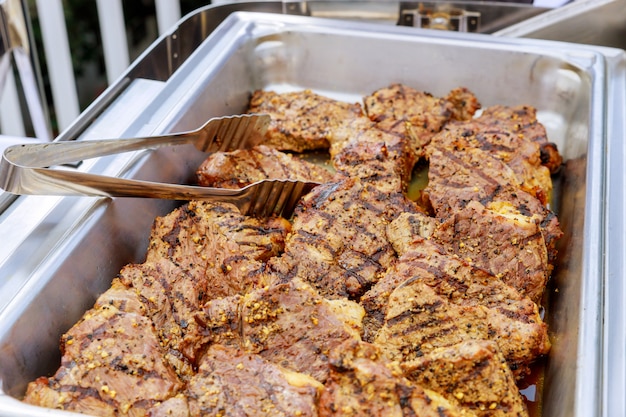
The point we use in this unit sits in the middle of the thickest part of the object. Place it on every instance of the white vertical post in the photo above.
(168, 13)
(59, 60)
(113, 32)
(11, 118)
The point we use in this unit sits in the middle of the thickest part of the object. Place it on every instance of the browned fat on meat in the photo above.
(232, 382)
(289, 324)
(472, 375)
(112, 362)
(363, 383)
(243, 167)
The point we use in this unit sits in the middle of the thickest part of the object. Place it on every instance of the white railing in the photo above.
(59, 62)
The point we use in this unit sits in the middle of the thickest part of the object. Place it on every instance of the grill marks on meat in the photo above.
(403, 120)
(501, 240)
(377, 146)
(383, 159)
(190, 233)
(488, 223)
(243, 167)
(417, 115)
(430, 299)
(454, 184)
(288, 324)
(489, 189)
(363, 383)
(249, 385)
(139, 332)
(510, 135)
(169, 296)
(472, 375)
(196, 253)
(338, 242)
(112, 362)
(232, 382)
(523, 120)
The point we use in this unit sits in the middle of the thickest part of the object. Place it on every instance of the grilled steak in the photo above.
(338, 242)
(382, 159)
(198, 252)
(415, 114)
(302, 120)
(288, 324)
(454, 183)
(489, 191)
(522, 120)
(230, 382)
(403, 120)
(473, 375)
(501, 240)
(112, 362)
(508, 135)
(362, 383)
(417, 302)
(198, 229)
(169, 296)
(243, 167)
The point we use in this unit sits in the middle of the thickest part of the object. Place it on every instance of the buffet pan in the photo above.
(53, 267)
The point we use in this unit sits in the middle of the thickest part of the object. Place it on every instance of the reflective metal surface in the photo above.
(73, 250)
(590, 22)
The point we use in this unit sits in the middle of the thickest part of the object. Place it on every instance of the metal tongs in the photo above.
(24, 169)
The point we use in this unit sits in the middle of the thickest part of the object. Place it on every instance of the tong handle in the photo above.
(41, 155)
(22, 172)
(24, 168)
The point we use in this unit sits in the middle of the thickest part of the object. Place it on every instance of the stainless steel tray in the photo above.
(53, 266)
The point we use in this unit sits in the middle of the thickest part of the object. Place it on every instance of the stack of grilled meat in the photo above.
(365, 303)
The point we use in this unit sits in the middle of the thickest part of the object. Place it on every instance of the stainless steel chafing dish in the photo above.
(59, 253)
